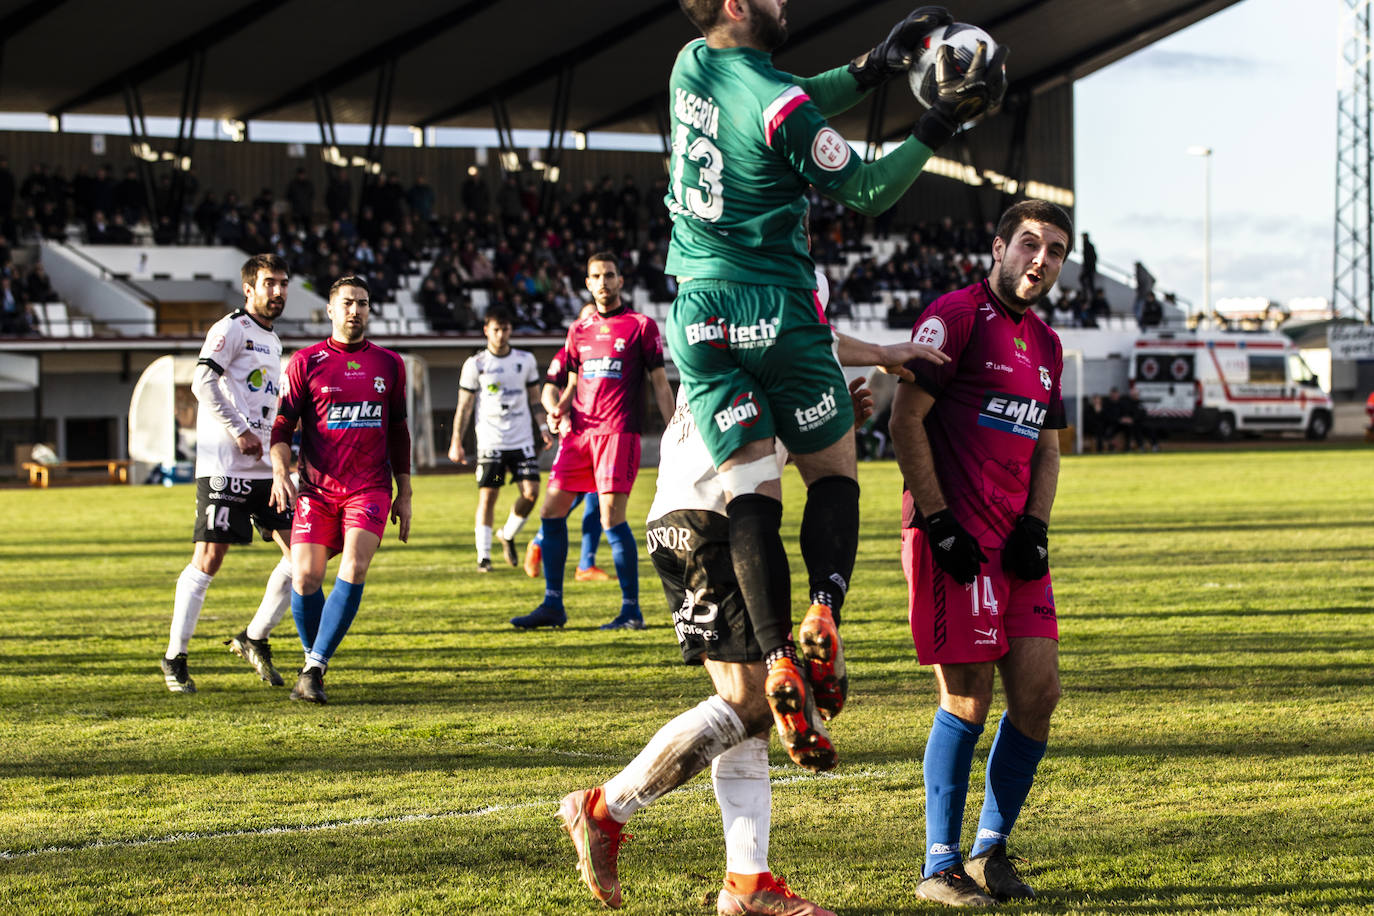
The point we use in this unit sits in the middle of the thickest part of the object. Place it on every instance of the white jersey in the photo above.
(247, 358)
(501, 384)
(687, 478)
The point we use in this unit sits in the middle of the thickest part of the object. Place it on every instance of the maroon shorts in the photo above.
(322, 519)
(596, 463)
(953, 623)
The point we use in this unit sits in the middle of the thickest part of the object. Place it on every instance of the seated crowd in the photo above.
(522, 246)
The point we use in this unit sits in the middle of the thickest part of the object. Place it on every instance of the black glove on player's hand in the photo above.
(1026, 554)
(894, 54)
(962, 97)
(954, 549)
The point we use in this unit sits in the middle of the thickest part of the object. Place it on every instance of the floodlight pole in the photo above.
(1206, 153)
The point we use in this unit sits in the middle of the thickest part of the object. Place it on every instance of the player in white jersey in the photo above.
(237, 383)
(500, 385)
(688, 537)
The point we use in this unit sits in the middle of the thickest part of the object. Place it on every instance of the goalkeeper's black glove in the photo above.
(954, 549)
(894, 54)
(1026, 554)
(961, 98)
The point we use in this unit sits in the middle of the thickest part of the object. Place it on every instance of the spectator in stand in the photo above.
(420, 199)
(300, 196)
(1087, 273)
(338, 195)
(37, 285)
(1151, 314)
(7, 189)
(131, 198)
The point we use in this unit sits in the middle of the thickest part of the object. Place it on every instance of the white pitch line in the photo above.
(396, 819)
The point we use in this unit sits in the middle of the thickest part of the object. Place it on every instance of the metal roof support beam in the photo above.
(138, 134)
(370, 59)
(1019, 106)
(558, 131)
(876, 111)
(172, 55)
(186, 135)
(376, 132)
(549, 68)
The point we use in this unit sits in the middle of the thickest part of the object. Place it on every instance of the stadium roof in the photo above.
(276, 59)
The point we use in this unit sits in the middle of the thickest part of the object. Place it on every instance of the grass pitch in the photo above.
(1214, 750)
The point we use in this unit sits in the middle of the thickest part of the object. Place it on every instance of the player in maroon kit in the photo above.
(978, 446)
(609, 355)
(349, 396)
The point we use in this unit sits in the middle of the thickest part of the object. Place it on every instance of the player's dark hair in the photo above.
(350, 280)
(1034, 211)
(703, 13)
(499, 314)
(268, 262)
(604, 256)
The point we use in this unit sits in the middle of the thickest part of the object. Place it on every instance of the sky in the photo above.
(1267, 109)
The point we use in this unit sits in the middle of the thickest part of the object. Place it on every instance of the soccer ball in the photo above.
(963, 38)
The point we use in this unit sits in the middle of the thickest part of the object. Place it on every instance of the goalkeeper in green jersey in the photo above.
(753, 351)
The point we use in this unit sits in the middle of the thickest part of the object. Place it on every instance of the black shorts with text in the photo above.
(522, 463)
(690, 549)
(227, 508)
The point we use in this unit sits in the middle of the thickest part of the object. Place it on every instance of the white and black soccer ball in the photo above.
(963, 38)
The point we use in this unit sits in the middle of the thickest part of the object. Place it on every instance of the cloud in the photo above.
(1193, 64)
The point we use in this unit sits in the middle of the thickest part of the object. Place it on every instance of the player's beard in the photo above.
(270, 308)
(766, 32)
(1004, 284)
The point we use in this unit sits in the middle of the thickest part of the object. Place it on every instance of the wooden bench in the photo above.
(116, 469)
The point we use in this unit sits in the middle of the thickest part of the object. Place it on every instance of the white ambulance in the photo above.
(1223, 383)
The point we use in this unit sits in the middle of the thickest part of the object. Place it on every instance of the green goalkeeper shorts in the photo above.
(758, 362)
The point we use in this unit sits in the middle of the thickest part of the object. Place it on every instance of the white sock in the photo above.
(191, 586)
(276, 598)
(483, 533)
(676, 753)
(513, 525)
(740, 778)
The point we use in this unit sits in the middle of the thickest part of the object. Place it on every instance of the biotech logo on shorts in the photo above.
(743, 411)
(1012, 413)
(818, 415)
(354, 415)
(714, 332)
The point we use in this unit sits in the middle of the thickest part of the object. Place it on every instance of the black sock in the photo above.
(830, 539)
(760, 563)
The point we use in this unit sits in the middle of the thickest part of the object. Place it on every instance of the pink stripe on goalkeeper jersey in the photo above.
(773, 116)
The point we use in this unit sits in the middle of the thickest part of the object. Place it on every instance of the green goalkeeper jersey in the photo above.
(747, 140)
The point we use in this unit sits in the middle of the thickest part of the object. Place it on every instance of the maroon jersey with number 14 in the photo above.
(347, 400)
(993, 399)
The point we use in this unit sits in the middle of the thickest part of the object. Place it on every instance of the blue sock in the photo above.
(626, 556)
(338, 615)
(306, 610)
(591, 532)
(1011, 770)
(554, 534)
(949, 754)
